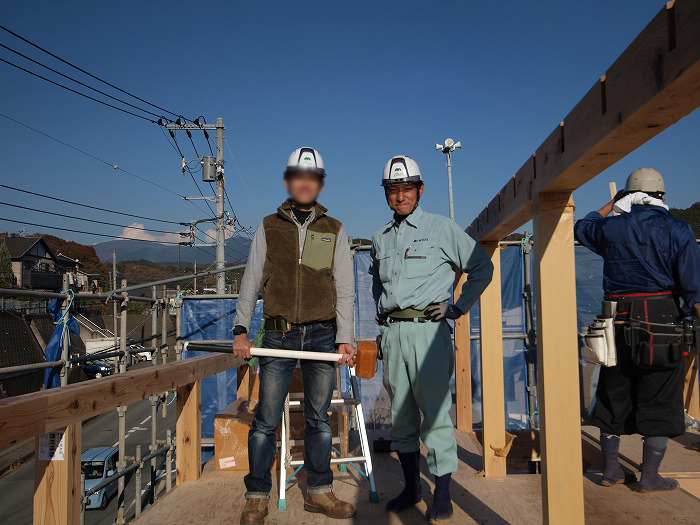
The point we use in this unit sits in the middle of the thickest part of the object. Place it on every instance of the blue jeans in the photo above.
(275, 378)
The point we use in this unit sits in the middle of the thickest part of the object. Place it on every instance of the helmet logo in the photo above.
(307, 158)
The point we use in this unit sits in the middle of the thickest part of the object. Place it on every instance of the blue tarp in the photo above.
(213, 319)
(52, 377)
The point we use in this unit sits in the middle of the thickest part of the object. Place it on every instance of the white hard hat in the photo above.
(401, 169)
(305, 159)
(647, 180)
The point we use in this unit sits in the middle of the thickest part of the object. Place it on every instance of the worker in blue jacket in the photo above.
(651, 266)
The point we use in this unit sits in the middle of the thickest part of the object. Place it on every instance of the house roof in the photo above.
(18, 246)
(65, 259)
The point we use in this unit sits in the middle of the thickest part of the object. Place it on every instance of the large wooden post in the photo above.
(463, 366)
(188, 430)
(57, 477)
(557, 358)
(493, 404)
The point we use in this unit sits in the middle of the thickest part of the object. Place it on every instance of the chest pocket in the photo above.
(319, 249)
(418, 260)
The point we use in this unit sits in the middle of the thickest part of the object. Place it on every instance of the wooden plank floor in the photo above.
(681, 462)
(217, 499)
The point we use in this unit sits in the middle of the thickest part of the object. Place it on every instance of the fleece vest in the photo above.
(298, 285)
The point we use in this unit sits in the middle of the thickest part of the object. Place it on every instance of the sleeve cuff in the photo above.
(343, 338)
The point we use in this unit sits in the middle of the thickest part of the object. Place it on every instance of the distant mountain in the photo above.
(236, 251)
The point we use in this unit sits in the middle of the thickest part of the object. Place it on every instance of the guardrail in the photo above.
(57, 494)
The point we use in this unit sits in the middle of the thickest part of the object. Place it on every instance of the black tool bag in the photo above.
(653, 333)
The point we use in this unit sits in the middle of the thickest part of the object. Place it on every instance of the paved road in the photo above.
(16, 488)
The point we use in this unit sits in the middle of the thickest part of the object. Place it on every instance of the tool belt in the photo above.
(651, 329)
(406, 315)
(278, 324)
(599, 338)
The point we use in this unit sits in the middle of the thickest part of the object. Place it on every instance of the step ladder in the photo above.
(354, 461)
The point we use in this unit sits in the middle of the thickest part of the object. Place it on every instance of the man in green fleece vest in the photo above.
(301, 263)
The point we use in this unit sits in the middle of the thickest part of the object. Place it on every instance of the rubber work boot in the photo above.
(650, 480)
(254, 511)
(613, 474)
(328, 504)
(412, 493)
(441, 508)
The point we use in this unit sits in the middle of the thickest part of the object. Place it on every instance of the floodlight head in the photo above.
(457, 145)
(438, 147)
(449, 143)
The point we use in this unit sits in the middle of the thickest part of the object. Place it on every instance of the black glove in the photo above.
(438, 312)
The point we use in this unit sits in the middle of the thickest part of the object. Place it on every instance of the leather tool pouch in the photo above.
(655, 345)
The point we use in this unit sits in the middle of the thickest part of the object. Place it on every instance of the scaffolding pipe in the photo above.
(154, 321)
(178, 279)
(33, 366)
(122, 329)
(121, 464)
(178, 325)
(65, 334)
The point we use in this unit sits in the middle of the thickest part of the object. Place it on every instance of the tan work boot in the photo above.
(254, 512)
(329, 505)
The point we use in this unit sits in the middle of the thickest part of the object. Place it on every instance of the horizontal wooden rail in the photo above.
(29, 415)
(654, 83)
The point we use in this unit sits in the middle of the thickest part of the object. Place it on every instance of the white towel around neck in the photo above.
(624, 205)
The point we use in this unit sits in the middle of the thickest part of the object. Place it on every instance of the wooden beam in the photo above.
(557, 360)
(463, 366)
(653, 84)
(57, 477)
(26, 416)
(188, 432)
(493, 403)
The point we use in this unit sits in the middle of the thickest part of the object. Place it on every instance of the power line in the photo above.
(172, 134)
(91, 207)
(86, 72)
(86, 219)
(115, 166)
(89, 233)
(238, 171)
(110, 164)
(79, 82)
(78, 92)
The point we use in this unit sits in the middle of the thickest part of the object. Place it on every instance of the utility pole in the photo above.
(212, 171)
(220, 236)
(447, 149)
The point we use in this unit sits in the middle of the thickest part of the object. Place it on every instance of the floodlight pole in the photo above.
(447, 149)
(449, 184)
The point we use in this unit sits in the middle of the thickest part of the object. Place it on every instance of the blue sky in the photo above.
(360, 81)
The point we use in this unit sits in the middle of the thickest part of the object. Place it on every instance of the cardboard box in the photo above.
(231, 427)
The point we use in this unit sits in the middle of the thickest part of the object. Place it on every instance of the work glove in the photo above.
(438, 312)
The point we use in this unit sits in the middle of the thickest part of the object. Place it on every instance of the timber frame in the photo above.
(653, 84)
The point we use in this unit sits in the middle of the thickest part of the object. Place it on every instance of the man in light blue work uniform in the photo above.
(415, 258)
